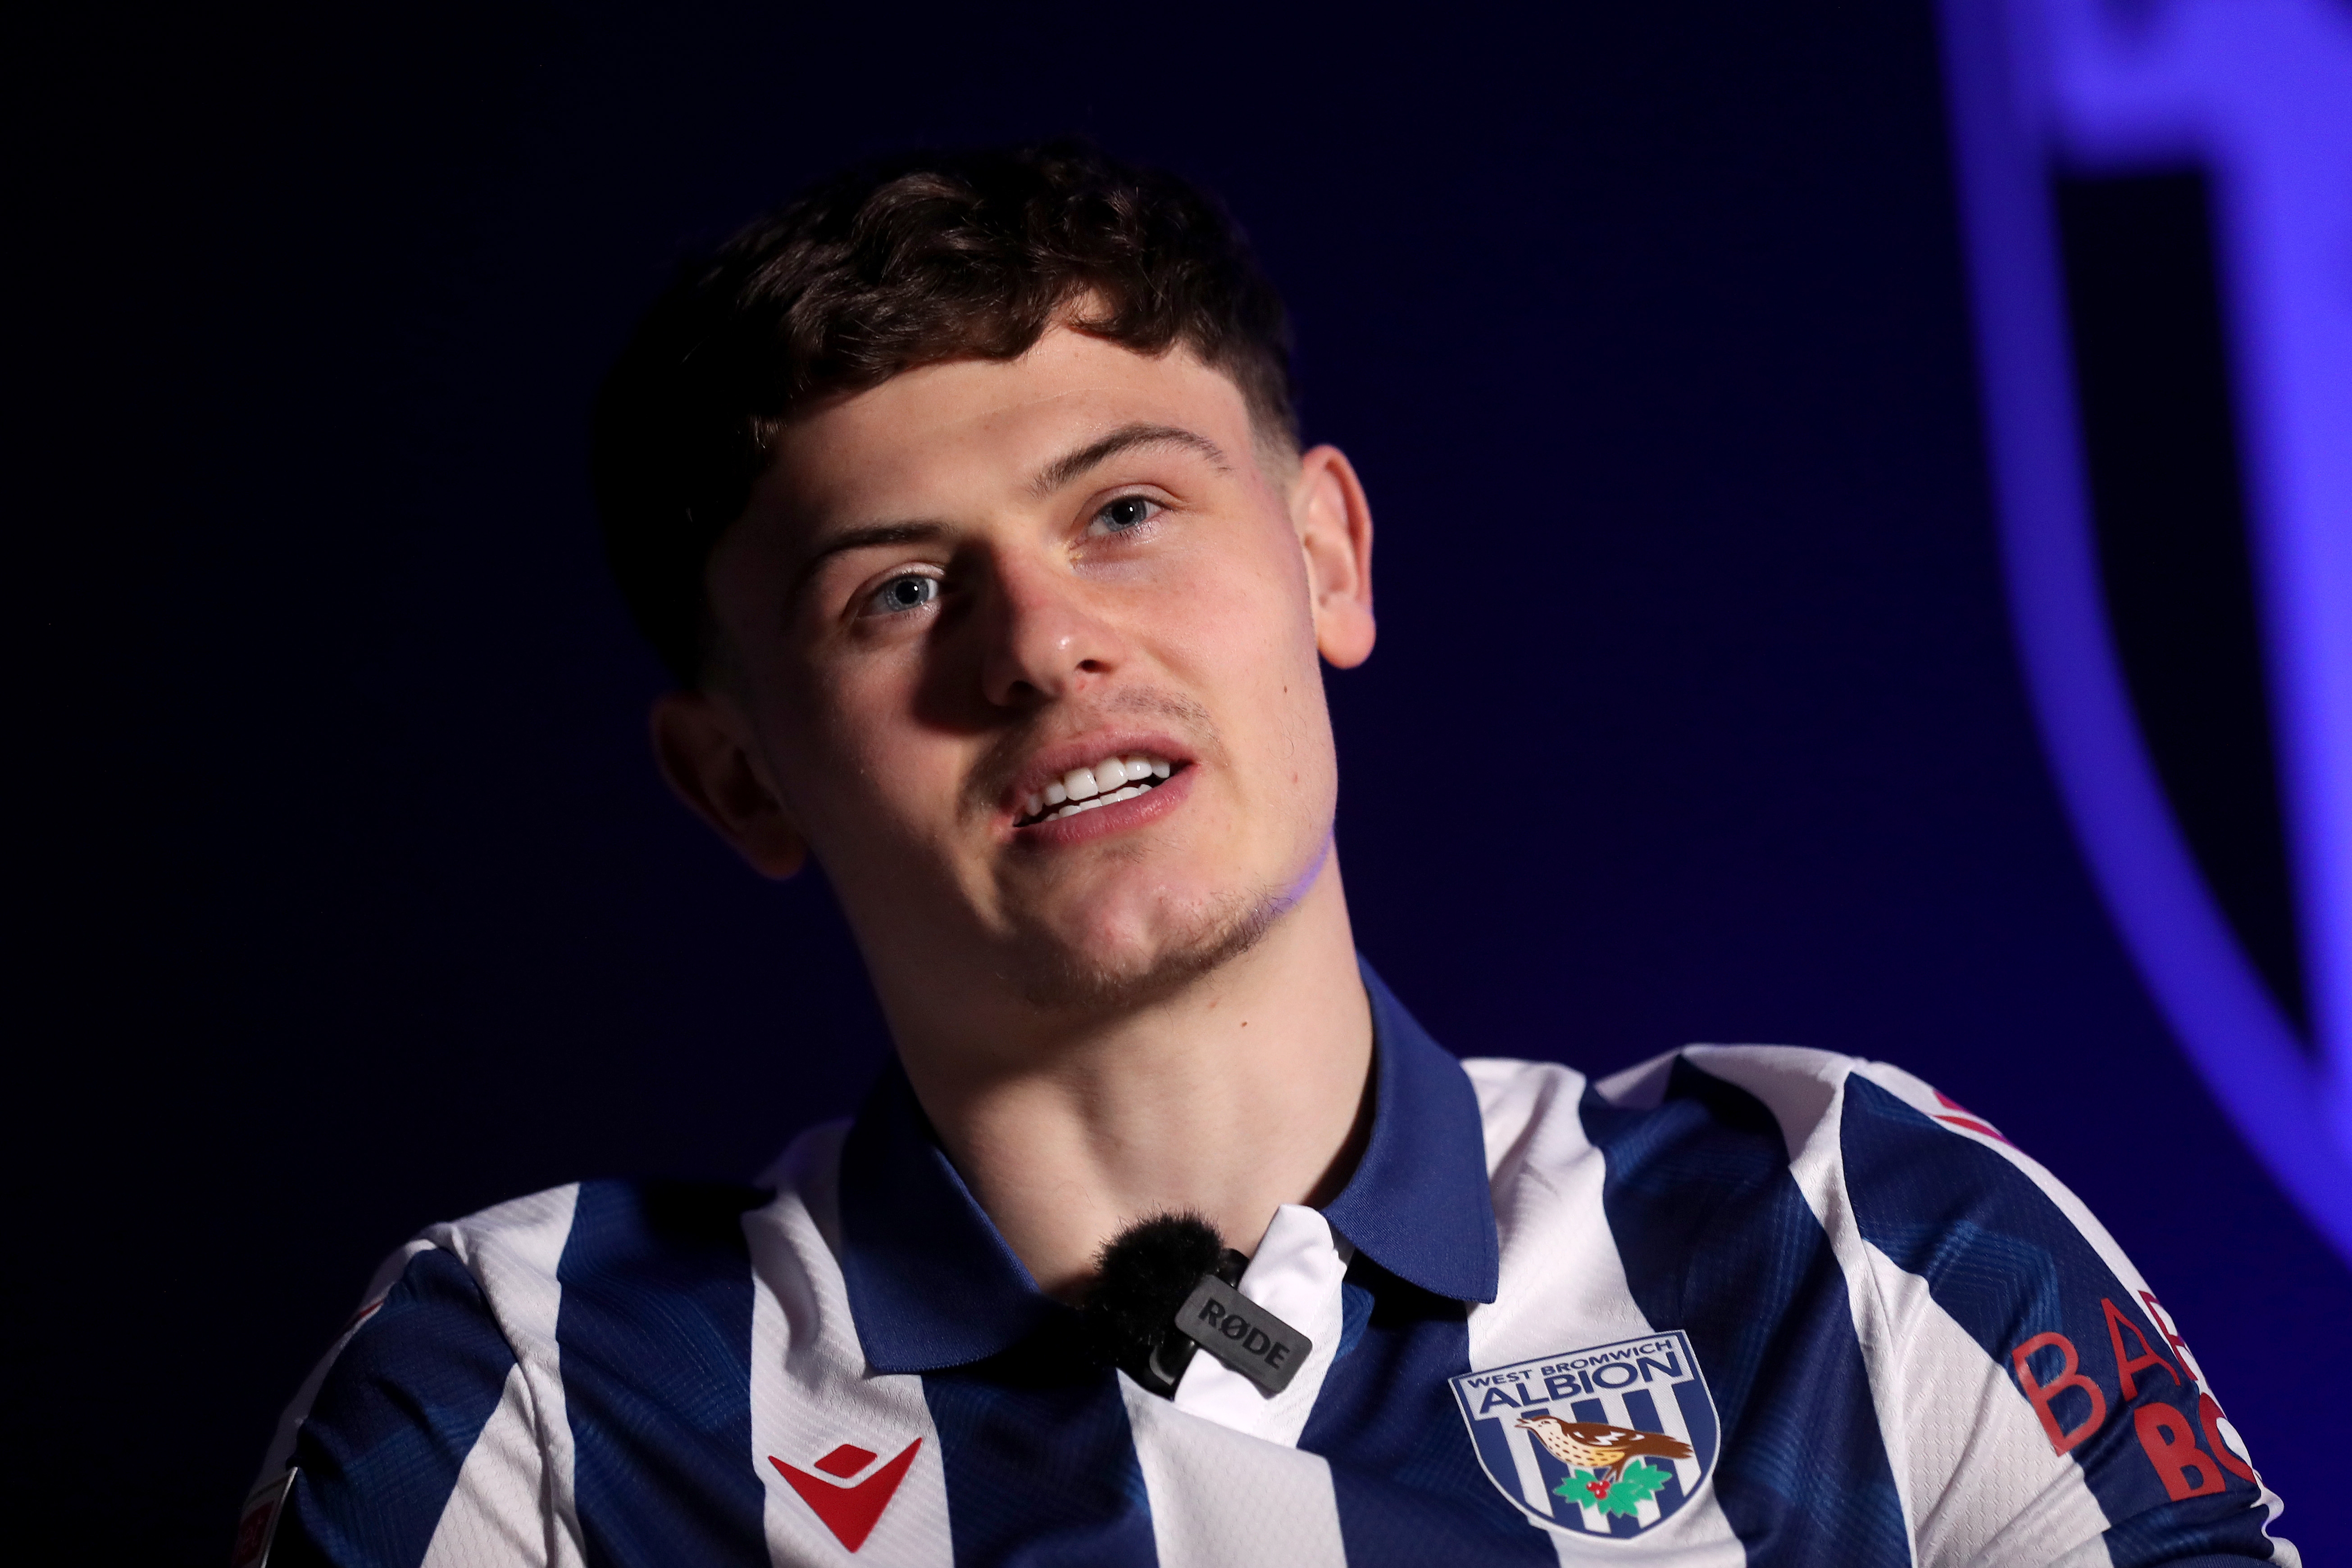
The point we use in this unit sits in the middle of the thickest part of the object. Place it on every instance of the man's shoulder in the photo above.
(1832, 1121)
(1804, 1093)
(1904, 1153)
(603, 1232)
(520, 1267)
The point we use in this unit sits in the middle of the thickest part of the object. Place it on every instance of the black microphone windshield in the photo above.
(1144, 1276)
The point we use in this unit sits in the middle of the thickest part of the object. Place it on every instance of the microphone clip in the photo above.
(1165, 1289)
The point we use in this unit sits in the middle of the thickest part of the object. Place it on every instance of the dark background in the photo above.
(348, 899)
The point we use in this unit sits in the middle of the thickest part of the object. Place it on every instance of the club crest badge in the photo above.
(1609, 1440)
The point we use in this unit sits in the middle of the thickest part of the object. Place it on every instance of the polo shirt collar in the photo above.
(931, 1283)
(1420, 1203)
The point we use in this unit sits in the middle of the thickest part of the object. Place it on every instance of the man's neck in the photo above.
(1244, 1089)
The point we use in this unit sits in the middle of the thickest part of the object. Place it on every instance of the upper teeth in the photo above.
(1111, 780)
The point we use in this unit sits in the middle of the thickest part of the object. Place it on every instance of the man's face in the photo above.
(955, 596)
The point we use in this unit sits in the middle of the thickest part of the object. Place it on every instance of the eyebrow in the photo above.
(1047, 479)
(1126, 438)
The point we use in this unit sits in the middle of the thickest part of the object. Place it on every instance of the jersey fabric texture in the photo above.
(1740, 1304)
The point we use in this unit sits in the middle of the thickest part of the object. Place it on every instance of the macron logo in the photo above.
(849, 1511)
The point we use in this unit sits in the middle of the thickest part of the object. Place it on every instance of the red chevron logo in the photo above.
(1965, 1117)
(849, 1511)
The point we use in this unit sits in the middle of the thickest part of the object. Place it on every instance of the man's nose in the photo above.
(1042, 641)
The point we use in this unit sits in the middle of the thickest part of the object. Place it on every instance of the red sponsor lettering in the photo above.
(252, 1535)
(1972, 1124)
(2044, 1395)
(2126, 1365)
(1963, 1117)
(2171, 1443)
(2163, 1321)
(255, 1527)
(2208, 1414)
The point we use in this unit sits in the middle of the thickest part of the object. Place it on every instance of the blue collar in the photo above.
(1419, 1202)
(932, 1285)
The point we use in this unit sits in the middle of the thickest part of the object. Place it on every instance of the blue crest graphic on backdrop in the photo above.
(1609, 1440)
(2257, 96)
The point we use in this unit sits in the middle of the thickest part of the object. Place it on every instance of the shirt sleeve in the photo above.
(2048, 1404)
(398, 1440)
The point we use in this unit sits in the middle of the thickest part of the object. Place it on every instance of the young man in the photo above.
(964, 499)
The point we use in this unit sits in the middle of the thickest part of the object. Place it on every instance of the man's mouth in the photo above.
(1108, 781)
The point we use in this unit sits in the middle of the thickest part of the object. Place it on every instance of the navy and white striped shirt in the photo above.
(1740, 1304)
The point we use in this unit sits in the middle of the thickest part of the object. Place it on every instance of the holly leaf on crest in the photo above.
(1637, 1485)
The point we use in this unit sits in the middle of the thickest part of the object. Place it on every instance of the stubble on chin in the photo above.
(1057, 977)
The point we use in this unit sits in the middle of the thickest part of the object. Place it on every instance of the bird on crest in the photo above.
(1601, 1447)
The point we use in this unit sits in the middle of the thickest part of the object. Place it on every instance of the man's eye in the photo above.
(1127, 514)
(911, 592)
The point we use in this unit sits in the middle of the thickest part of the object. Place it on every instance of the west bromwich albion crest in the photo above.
(1607, 1440)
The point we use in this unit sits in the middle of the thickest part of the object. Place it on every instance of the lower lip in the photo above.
(1088, 825)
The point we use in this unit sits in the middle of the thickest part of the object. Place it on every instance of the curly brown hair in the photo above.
(886, 266)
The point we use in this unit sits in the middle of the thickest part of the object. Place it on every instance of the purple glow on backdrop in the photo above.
(2258, 93)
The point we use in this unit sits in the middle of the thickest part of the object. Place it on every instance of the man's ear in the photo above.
(704, 746)
(1335, 529)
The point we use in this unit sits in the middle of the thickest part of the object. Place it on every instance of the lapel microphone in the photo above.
(1164, 1287)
